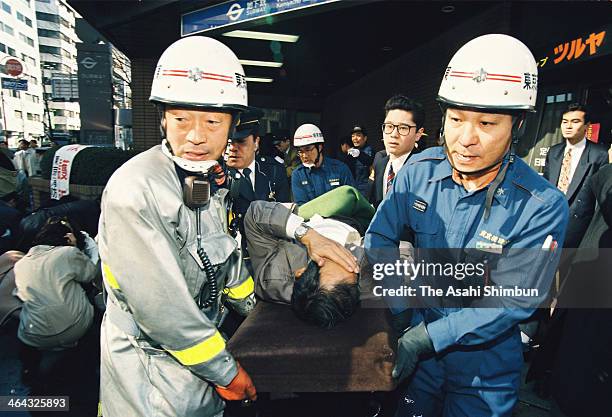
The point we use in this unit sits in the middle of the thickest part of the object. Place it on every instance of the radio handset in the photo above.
(196, 195)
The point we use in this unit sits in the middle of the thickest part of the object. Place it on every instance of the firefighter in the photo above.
(170, 267)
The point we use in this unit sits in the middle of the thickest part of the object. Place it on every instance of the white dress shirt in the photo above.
(397, 163)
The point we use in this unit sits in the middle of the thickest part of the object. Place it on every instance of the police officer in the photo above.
(169, 264)
(260, 177)
(362, 156)
(475, 195)
(317, 174)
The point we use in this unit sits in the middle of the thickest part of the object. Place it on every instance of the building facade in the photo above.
(22, 110)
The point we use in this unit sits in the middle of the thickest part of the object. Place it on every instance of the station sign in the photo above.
(240, 11)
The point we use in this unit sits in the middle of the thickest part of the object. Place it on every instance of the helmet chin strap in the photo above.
(201, 167)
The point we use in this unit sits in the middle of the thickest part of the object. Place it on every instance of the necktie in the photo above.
(564, 176)
(246, 186)
(390, 177)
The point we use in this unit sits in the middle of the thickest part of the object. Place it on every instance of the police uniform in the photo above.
(309, 183)
(161, 354)
(478, 354)
(270, 185)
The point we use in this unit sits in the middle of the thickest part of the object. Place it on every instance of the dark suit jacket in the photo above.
(582, 375)
(271, 184)
(581, 202)
(380, 163)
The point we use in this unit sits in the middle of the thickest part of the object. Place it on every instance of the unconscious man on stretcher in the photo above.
(313, 265)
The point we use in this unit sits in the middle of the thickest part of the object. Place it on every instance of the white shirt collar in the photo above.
(398, 162)
(579, 146)
(251, 167)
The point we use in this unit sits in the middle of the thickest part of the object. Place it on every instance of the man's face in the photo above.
(476, 140)
(196, 135)
(330, 275)
(283, 146)
(3, 145)
(308, 154)
(33, 144)
(24, 145)
(359, 139)
(242, 153)
(396, 144)
(573, 127)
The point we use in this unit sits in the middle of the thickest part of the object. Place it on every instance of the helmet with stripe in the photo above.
(307, 134)
(491, 72)
(200, 72)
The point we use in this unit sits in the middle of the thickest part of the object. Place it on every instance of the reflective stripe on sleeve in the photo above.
(202, 352)
(241, 291)
(109, 277)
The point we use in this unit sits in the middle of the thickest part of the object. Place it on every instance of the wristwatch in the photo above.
(301, 231)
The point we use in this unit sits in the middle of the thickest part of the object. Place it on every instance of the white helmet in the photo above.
(307, 134)
(491, 72)
(199, 72)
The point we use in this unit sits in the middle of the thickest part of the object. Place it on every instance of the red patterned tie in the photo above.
(390, 177)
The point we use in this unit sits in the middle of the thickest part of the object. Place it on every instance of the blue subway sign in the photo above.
(14, 84)
(240, 11)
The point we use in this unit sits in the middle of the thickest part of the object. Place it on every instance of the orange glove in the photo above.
(241, 387)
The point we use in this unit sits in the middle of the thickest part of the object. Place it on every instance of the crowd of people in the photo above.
(222, 214)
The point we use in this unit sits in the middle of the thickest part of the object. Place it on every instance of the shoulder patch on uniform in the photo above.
(526, 190)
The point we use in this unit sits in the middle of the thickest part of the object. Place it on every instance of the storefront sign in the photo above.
(240, 11)
(580, 48)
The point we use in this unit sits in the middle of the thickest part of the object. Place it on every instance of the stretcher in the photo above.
(281, 353)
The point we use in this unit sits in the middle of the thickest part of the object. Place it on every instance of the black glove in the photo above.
(400, 322)
(412, 345)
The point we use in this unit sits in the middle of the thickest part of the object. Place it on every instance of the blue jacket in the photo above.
(525, 210)
(309, 183)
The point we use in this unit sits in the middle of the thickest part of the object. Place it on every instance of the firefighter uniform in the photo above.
(160, 353)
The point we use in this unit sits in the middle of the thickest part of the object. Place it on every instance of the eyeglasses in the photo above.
(403, 130)
(305, 149)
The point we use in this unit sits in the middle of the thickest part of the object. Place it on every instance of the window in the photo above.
(66, 53)
(6, 7)
(54, 34)
(66, 38)
(54, 50)
(18, 114)
(65, 22)
(2, 48)
(11, 51)
(35, 99)
(24, 19)
(26, 39)
(34, 80)
(30, 116)
(48, 17)
(6, 28)
(15, 93)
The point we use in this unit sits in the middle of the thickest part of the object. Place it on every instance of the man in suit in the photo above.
(570, 164)
(260, 178)
(402, 129)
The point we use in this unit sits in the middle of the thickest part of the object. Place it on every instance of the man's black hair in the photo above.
(579, 107)
(401, 102)
(53, 233)
(321, 306)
